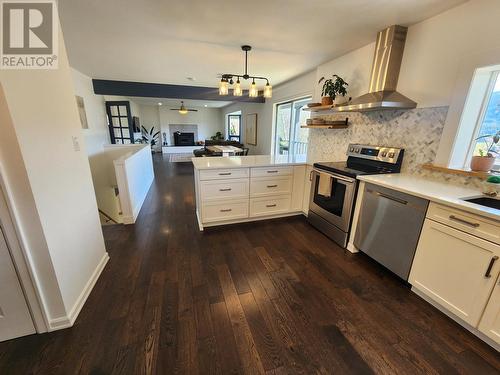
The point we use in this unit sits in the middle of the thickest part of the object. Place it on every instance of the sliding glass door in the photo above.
(290, 138)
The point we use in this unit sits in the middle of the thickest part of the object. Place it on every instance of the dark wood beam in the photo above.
(160, 90)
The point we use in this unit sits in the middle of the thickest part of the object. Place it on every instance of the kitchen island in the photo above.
(246, 188)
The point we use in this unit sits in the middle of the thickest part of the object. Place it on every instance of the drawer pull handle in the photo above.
(473, 225)
(225, 174)
(227, 189)
(272, 186)
(490, 266)
(226, 210)
(271, 205)
(272, 171)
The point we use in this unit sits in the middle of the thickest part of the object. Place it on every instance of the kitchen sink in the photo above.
(485, 201)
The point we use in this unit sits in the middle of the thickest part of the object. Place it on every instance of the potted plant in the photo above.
(149, 137)
(486, 158)
(332, 87)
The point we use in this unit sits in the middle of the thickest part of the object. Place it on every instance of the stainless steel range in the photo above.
(334, 187)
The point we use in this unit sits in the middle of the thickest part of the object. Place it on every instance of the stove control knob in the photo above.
(356, 150)
(351, 149)
(384, 154)
(391, 155)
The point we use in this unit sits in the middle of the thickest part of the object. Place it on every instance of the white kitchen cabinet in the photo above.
(307, 189)
(455, 269)
(227, 193)
(490, 322)
(299, 172)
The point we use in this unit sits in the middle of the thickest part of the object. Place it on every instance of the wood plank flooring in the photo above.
(273, 297)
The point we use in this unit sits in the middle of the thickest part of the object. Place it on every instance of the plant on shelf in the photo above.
(487, 153)
(217, 137)
(332, 87)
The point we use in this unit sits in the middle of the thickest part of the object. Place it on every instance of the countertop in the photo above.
(246, 161)
(434, 191)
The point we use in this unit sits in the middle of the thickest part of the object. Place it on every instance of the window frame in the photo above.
(229, 136)
(275, 143)
(495, 75)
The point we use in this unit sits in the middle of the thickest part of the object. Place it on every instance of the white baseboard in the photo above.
(69, 319)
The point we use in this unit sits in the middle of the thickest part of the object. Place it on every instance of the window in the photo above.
(290, 138)
(488, 120)
(234, 127)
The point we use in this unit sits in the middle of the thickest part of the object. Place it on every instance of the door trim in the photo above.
(17, 250)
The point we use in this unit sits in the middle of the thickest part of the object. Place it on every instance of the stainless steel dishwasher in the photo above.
(389, 226)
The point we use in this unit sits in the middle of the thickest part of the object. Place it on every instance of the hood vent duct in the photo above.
(384, 76)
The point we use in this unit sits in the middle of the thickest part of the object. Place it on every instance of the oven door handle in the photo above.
(336, 176)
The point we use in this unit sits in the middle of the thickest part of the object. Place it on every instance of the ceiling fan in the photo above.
(183, 110)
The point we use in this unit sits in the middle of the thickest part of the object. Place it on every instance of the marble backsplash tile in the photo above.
(418, 131)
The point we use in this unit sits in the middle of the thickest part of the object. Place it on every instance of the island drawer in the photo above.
(224, 210)
(270, 171)
(220, 174)
(262, 186)
(223, 189)
(269, 205)
(465, 221)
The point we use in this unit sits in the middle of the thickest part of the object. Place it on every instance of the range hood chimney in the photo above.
(384, 77)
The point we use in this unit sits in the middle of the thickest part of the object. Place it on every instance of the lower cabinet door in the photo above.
(269, 205)
(455, 269)
(490, 322)
(224, 210)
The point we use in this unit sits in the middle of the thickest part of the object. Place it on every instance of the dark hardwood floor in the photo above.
(272, 297)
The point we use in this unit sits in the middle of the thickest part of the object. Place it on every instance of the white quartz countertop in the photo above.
(435, 191)
(245, 161)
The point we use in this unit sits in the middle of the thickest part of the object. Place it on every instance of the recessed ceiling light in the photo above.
(160, 103)
(206, 105)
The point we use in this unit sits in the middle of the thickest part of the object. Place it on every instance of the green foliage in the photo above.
(149, 136)
(333, 86)
(491, 144)
(217, 137)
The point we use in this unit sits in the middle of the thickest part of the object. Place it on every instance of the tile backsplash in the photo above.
(418, 131)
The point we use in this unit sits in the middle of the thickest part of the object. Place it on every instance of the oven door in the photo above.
(332, 197)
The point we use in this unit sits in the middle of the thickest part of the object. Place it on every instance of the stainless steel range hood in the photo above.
(384, 77)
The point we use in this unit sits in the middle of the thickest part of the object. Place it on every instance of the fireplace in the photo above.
(183, 139)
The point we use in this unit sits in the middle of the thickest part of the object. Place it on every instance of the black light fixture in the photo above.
(228, 79)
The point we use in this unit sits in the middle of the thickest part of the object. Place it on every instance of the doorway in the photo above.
(15, 317)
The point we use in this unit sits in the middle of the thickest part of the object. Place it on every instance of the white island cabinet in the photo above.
(245, 188)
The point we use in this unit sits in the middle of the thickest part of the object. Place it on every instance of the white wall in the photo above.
(44, 117)
(434, 52)
(245, 109)
(209, 120)
(97, 134)
(150, 116)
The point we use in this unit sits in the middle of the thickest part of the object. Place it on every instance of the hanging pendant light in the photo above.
(253, 92)
(268, 90)
(237, 91)
(223, 87)
(227, 80)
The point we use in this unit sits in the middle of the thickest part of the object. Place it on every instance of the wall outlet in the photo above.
(76, 143)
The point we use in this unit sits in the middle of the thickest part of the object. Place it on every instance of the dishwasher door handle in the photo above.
(402, 201)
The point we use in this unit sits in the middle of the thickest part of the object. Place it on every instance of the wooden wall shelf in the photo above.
(332, 125)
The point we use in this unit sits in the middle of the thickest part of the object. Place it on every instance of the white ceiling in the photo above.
(167, 41)
(177, 102)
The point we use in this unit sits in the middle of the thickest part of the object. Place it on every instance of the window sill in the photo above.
(460, 172)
